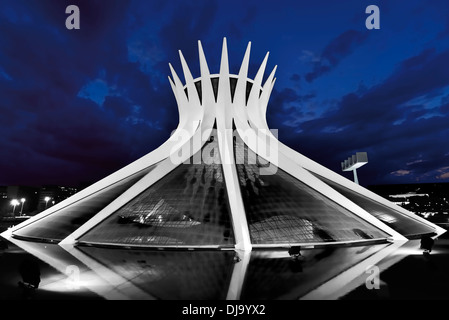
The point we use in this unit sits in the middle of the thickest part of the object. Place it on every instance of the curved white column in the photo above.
(226, 145)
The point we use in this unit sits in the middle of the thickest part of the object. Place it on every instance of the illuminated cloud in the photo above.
(400, 173)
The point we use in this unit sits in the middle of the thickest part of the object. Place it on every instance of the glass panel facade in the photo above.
(170, 275)
(398, 221)
(187, 207)
(282, 210)
(58, 225)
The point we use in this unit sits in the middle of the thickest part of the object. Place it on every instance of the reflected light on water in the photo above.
(271, 254)
(321, 273)
(59, 283)
(416, 252)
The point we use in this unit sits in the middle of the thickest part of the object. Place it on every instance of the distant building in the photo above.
(34, 198)
(3, 200)
(429, 200)
(3, 192)
(29, 205)
(403, 199)
(50, 195)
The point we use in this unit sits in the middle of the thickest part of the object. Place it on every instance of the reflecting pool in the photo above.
(380, 271)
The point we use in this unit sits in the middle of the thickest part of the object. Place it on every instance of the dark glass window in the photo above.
(58, 225)
(282, 210)
(407, 226)
(187, 207)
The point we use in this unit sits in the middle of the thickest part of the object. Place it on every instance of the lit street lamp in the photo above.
(23, 201)
(14, 203)
(46, 201)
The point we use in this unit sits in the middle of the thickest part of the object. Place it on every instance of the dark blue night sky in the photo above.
(77, 105)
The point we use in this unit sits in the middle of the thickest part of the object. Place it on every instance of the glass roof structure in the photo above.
(189, 206)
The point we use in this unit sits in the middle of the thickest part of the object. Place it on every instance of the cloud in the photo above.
(295, 77)
(400, 173)
(76, 108)
(443, 173)
(368, 121)
(414, 162)
(334, 52)
(236, 26)
(444, 176)
(309, 56)
(188, 24)
(299, 108)
(79, 104)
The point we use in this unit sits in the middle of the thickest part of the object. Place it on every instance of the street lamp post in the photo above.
(14, 203)
(23, 202)
(46, 201)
